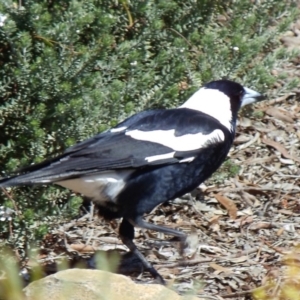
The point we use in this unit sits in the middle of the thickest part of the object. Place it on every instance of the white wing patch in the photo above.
(118, 129)
(159, 157)
(187, 142)
(188, 159)
(101, 187)
(211, 102)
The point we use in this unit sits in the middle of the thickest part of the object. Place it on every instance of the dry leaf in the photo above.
(239, 259)
(214, 220)
(260, 225)
(280, 148)
(245, 122)
(280, 231)
(219, 269)
(214, 223)
(249, 143)
(241, 139)
(244, 220)
(285, 212)
(82, 248)
(279, 114)
(215, 227)
(228, 204)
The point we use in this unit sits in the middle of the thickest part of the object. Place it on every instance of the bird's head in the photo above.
(237, 94)
(222, 100)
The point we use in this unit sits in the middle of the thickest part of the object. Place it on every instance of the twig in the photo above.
(279, 99)
(246, 145)
(50, 42)
(184, 263)
(178, 33)
(276, 289)
(130, 19)
(13, 202)
(247, 188)
(204, 260)
(243, 293)
(273, 247)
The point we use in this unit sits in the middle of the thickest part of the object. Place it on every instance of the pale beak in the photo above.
(251, 96)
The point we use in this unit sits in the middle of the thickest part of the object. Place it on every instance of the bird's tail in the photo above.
(19, 180)
(40, 173)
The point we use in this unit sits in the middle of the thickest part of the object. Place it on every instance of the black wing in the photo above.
(118, 148)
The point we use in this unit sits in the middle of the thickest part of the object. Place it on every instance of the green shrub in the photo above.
(228, 170)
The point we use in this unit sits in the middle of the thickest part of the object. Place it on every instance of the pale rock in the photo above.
(84, 284)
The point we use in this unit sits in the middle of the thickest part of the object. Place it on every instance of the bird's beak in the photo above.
(251, 96)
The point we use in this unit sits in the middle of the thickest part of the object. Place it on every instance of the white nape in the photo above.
(101, 187)
(211, 102)
(187, 142)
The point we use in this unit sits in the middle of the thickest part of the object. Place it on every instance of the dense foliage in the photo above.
(69, 69)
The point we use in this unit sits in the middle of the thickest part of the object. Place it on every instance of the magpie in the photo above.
(152, 157)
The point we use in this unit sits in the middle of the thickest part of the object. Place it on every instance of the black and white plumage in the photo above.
(150, 158)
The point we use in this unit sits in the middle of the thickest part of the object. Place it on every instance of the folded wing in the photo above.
(157, 137)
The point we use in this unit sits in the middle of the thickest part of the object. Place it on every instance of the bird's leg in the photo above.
(139, 222)
(126, 232)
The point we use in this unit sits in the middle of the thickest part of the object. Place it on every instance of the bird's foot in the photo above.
(157, 277)
(189, 245)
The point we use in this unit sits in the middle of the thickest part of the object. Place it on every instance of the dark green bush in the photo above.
(69, 69)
